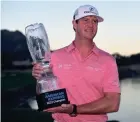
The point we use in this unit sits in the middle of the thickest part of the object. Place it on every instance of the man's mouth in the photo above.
(89, 31)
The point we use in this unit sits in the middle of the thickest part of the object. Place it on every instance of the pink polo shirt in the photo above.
(85, 80)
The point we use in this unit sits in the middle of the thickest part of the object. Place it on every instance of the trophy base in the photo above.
(52, 99)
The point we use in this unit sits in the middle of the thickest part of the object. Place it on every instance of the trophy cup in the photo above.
(48, 94)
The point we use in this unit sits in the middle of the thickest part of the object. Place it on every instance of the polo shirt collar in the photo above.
(71, 47)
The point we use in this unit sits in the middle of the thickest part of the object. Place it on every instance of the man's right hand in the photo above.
(37, 70)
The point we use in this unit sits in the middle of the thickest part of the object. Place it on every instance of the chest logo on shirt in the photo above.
(94, 68)
(64, 66)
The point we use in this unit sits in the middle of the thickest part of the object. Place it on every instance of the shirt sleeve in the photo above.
(111, 81)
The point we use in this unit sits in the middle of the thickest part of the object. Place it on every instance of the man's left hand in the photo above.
(64, 108)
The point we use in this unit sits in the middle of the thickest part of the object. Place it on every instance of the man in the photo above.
(88, 73)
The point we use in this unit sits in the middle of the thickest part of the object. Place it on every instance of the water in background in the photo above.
(130, 102)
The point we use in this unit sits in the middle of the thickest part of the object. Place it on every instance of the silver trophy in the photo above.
(48, 93)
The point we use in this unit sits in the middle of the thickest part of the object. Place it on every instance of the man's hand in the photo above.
(37, 70)
(64, 108)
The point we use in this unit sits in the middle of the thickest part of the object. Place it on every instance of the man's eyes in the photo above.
(94, 21)
(85, 20)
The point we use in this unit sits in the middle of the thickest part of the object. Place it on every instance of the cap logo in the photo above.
(91, 10)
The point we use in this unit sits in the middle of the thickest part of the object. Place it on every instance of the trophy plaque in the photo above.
(48, 94)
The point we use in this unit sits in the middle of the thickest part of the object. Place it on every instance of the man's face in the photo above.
(86, 27)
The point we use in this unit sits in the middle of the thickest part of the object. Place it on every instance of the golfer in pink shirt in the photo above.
(89, 74)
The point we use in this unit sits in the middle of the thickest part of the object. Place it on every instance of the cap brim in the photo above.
(100, 19)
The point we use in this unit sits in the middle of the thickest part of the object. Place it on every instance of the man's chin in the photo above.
(89, 37)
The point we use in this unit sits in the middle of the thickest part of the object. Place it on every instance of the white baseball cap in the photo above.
(86, 10)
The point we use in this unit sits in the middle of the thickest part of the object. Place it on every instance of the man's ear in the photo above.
(74, 24)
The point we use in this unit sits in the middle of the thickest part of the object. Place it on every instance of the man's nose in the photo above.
(90, 24)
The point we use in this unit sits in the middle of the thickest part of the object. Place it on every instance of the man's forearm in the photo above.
(101, 106)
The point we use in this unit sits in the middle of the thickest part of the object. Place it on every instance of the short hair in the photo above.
(76, 23)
